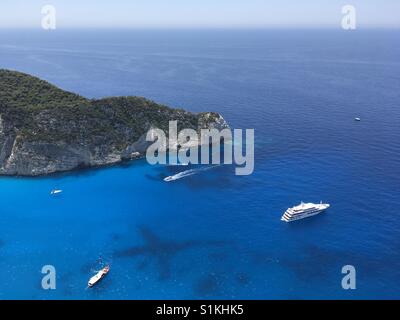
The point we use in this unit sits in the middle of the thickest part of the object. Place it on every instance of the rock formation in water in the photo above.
(44, 129)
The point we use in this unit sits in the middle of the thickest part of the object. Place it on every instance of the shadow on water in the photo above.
(116, 237)
(157, 178)
(317, 263)
(208, 286)
(161, 251)
(143, 264)
(243, 279)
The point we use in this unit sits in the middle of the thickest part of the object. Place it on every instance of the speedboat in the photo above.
(304, 210)
(357, 119)
(56, 191)
(98, 276)
(170, 178)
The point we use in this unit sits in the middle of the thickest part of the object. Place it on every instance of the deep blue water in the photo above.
(214, 234)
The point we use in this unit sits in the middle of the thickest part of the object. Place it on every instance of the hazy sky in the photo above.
(199, 13)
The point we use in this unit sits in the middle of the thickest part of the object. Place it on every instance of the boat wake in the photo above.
(187, 173)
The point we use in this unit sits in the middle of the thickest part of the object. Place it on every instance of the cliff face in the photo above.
(44, 129)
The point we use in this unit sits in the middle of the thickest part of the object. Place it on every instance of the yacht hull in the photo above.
(290, 216)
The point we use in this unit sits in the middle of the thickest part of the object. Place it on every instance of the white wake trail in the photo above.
(187, 173)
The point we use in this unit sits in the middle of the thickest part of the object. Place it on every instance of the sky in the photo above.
(184, 14)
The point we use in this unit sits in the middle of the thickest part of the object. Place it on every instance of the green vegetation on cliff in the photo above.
(41, 111)
(44, 129)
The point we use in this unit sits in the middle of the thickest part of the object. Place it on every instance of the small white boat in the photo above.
(56, 191)
(170, 178)
(181, 175)
(357, 119)
(188, 173)
(98, 276)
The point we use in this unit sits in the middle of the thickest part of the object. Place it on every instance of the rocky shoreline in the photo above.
(45, 130)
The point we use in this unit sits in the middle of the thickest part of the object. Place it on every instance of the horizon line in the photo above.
(201, 28)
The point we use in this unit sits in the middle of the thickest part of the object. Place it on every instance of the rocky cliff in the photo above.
(44, 129)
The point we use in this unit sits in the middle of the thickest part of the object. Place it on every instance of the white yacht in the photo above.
(169, 179)
(98, 276)
(304, 210)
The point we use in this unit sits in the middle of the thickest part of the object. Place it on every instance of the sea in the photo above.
(213, 234)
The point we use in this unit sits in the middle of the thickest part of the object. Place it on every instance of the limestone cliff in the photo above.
(44, 129)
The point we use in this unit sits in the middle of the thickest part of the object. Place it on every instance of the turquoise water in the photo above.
(214, 234)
